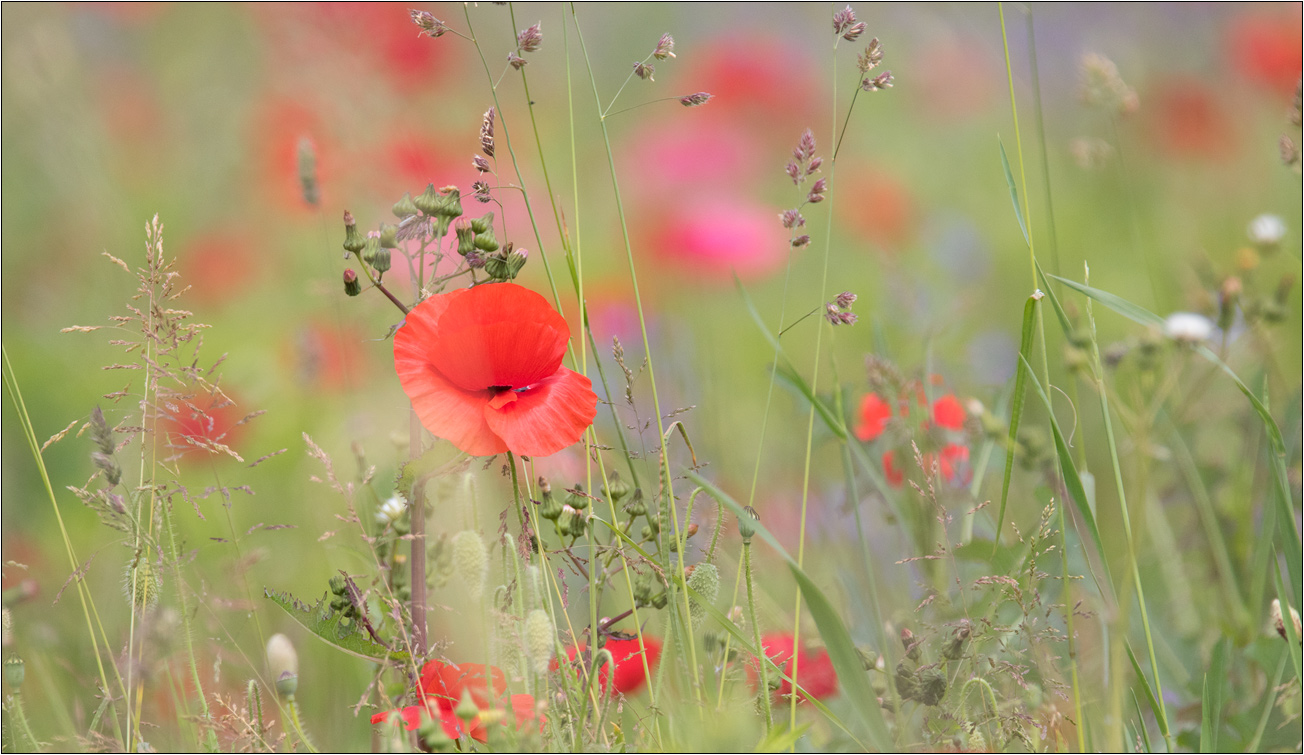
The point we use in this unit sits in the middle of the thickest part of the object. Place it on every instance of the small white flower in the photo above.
(1185, 327)
(1267, 230)
(391, 510)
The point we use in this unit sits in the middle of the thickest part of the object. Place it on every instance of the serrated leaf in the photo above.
(329, 625)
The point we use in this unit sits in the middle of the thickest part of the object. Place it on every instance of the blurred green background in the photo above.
(113, 112)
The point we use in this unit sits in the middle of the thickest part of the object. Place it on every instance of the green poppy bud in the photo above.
(15, 672)
(705, 580)
(746, 524)
(466, 708)
(283, 663)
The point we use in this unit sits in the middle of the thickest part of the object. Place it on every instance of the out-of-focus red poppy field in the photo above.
(948, 356)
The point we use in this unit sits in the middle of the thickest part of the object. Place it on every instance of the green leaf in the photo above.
(1060, 314)
(1014, 192)
(1016, 410)
(1149, 692)
(1141, 724)
(1292, 637)
(781, 740)
(1120, 305)
(852, 676)
(1071, 479)
(1211, 700)
(330, 627)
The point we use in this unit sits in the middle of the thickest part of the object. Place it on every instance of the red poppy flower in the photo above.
(1266, 48)
(953, 463)
(875, 413)
(815, 672)
(441, 688)
(628, 676)
(894, 475)
(948, 413)
(199, 421)
(482, 367)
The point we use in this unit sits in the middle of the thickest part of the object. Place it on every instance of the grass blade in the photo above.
(1292, 637)
(1211, 700)
(1014, 191)
(1016, 406)
(1149, 692)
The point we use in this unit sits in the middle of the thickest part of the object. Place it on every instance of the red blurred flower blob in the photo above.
(815, 674)
(482, 367)
(895, 477)
(948, 412)
(628, 676)
(196, 423)
(441, 688)
(875, 413)
(1267, 49)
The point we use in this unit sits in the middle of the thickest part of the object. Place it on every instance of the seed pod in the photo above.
(471, 561)
(705, 580)
(539, 635)
(14, 672)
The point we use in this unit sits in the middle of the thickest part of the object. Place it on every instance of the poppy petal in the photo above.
(446, 410)
(548, 417)
(498, 335)
(948, 412)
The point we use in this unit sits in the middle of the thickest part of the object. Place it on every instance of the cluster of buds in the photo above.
(529, 40)
(476, 242)
(838, 311)
(570, 515)
(1103, 87)
(442, 206)
(867, 61)
(429, 25)
(924, 684)
(373, 249)
(846, 26)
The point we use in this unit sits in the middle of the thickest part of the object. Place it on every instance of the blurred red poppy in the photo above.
(815, 674)
(482, 367)
(948, 413)
(895, 477)
(628, 676)
(715, 238)
(1267, 49)
(1188, 119)
(441, 688)
(194, 423)
(875, 413)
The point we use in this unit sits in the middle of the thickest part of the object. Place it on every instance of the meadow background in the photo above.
(113, 113)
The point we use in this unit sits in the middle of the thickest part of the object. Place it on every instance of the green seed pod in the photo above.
(660, 600)
(539, 635)
(471, 561)
(433, 736)
(405, 208)
(705, 580)
(483, 224)
(15, 672)
(466, 708)
(746, 527)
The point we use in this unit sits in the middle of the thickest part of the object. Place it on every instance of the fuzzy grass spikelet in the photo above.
(471, 561)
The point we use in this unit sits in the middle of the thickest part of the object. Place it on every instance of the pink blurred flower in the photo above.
(714, 237)
(1266, 48)
(765, 78)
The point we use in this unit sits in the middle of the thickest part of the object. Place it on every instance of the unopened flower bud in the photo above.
(636, 506)
(283, 663)
(352, 286)
(576, 498)
(465, 236)
(428, 201)
(485, 241)
(539, 640)
(14, 672)
(471, 561)
(405, 208)
(616, 487)
(549, 506)
(483, 223)
(389, 236)
(515, 261)
(746, 524)
(910, 644)
(954, 649)
(466, 708)
(354, 241)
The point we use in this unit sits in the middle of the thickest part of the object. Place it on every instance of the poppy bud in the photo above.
(636, 506)
(576, 498)
(352, 286)
(705, 580)
(539, 639)
(283, 662)
(466, 709)
(616, 488)
(404, 208)
(14, 672)
(745, 524)
(471, 561)
(354, 241)
(483, 223)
